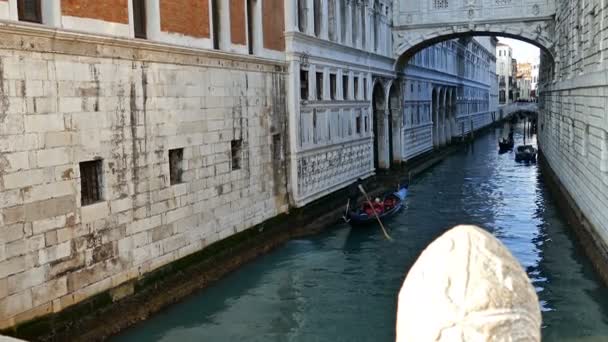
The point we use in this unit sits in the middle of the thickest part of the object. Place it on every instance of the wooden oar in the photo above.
(375, 213)
(345, 216)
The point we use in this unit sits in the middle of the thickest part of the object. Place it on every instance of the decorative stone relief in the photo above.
(321, 170)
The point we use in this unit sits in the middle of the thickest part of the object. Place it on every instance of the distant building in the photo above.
(534, 78)
(524, 81)
(506, 67)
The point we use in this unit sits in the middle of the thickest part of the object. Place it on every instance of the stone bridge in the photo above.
(507, 110)
(420, 23)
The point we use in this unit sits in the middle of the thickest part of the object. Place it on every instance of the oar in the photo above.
(375, 213)
(345, 216)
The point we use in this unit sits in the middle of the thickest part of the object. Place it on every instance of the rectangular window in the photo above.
(366, 124)
(90, 182)
(315, 136)
(356, 82)
(345, 87)
(319, 86)
(358, 124)
(304, 84)
(215, 23)
(277, 148)
(139, 18)
(250, 27)
(332, 85)
(176, 158)
(236, 151)
(29, 10)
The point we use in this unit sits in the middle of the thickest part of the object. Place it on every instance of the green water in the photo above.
(342, 285)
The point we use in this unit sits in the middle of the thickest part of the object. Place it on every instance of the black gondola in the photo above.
(525, 153)
(388, 206)
(506, 144)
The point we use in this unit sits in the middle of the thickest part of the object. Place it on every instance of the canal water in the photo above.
(342, 285)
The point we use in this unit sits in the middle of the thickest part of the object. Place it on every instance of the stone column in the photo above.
(310, 17)
(339, 80)
(349, 23)
(291, 15)
(383, 145)
(338, 20)
(13, 12)
(51, 12)
(312, 82)
(153, 19)
(324, 19)
(372, 29)
(368, 27)
(359, 28)
(293, 123)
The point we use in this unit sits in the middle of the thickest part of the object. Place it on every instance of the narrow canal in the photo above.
(342, 285)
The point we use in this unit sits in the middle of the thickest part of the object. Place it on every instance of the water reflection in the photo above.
(342, 285)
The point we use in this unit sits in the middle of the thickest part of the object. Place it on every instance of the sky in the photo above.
(522, 51)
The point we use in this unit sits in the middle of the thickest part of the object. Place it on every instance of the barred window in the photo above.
(304, 84)
(29, 10)
(437, 4)
(236, 151)
(139, 18)
(90, 182)
(176, 158)
(332, 85)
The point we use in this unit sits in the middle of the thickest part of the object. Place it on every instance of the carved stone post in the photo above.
(466, 286)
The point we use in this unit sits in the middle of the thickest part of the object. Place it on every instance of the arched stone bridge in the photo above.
(420, 23)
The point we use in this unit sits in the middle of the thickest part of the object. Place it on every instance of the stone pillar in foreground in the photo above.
(466, 286)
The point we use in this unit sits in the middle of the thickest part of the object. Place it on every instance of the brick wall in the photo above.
(187, 17)
(238, 28)
(116, 11)
(58, 109)
(273, 24)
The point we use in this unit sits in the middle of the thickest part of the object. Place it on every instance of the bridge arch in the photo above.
(407, 43)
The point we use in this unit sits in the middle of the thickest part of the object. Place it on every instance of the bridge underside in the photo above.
(410, 39)
(420, 23)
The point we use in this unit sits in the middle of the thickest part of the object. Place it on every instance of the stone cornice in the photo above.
(474, 22)
(328, 44)
(44, 39)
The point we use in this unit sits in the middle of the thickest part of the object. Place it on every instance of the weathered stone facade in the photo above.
(573, 127)
(69, 98)
(302, 98)
(347, 97)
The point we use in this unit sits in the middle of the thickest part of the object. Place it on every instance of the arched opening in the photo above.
(410, 48)
(395, 124)
(381, 157)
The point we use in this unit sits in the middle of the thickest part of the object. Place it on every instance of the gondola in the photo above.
(506, 145)
(525, 153)
(386, 207)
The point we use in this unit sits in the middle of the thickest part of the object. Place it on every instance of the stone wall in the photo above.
(69, 98)
(573, 126)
